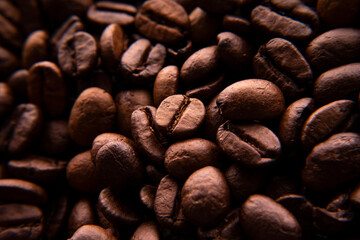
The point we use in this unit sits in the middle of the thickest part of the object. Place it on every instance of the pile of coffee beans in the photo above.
(180, 119)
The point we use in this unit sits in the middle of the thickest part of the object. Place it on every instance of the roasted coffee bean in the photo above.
(203, 25)
(126, 102)
(213, 120)
(6, 98)
(111, 46)
(147, 196)
(205, 197)
(56, 214)
(179, 116)
(106, 12)
(163, 21)
(18, 83)
(16, 190)
(10, 12)
(291, 20)
(185, 157)
(81, 173)
(119, 165)
(326, 121)
(261, 217)
(81, 214)
(144, 131)
(146, 231)
(37, 169)
(250, 144)
(340, 151)
(281, 62)
(199, 66)
(228, 229)
(9, 62)
(92, 232)
(105, 138)
(338, 13)
(35, 48)
(344, 77)
(69, 27)
(301, 208)
(77, 55)
(116, 211)
(20, 221)
(166, 84)
(20, 129)
(47, 88)
(334, 48)
(244, 181)
(9, 34)
(234, 51)
(167, 207)
(141, 61)
(55, 138)
(92, 114)
(292, 121)
(251, 99)
(236, 24)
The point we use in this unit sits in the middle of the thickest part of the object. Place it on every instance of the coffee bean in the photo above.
(69, 27)
(92, 114)
(179, 116)
(234, 50)
(346, 12)
(290, 20)
(81, 173)
(55, 138)
(244, 181)
(9, 62)
(37, 169)
(20, 129)
(146, 231)
(251, 99)
(324, 52)
(35, 48)
(185, 157)
(250, 144)
(325, 121)
(281, 62)
(340, 151)
(236, 24)
(203, 25)
(147, 196)
(141, 61)
(10, 12)
(199, 66)
(105, 138)
(166, 84)
(47, 88)
(116, 211)
(20, 221)
(92, 232)
(228, 229)
(205, 197)
(126, 102)
(119, 165)
(167, 207)
(144, 131)
(9, 34)
(327, 85)
(112, 46)
(261, 217)
(6, 98)
(106, 12)
(18, 83)
(77, 55)
(163, 21)
(81, 214)
(292, 121)
(16, 190)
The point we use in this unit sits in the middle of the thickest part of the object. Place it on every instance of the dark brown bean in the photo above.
(35, 48)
